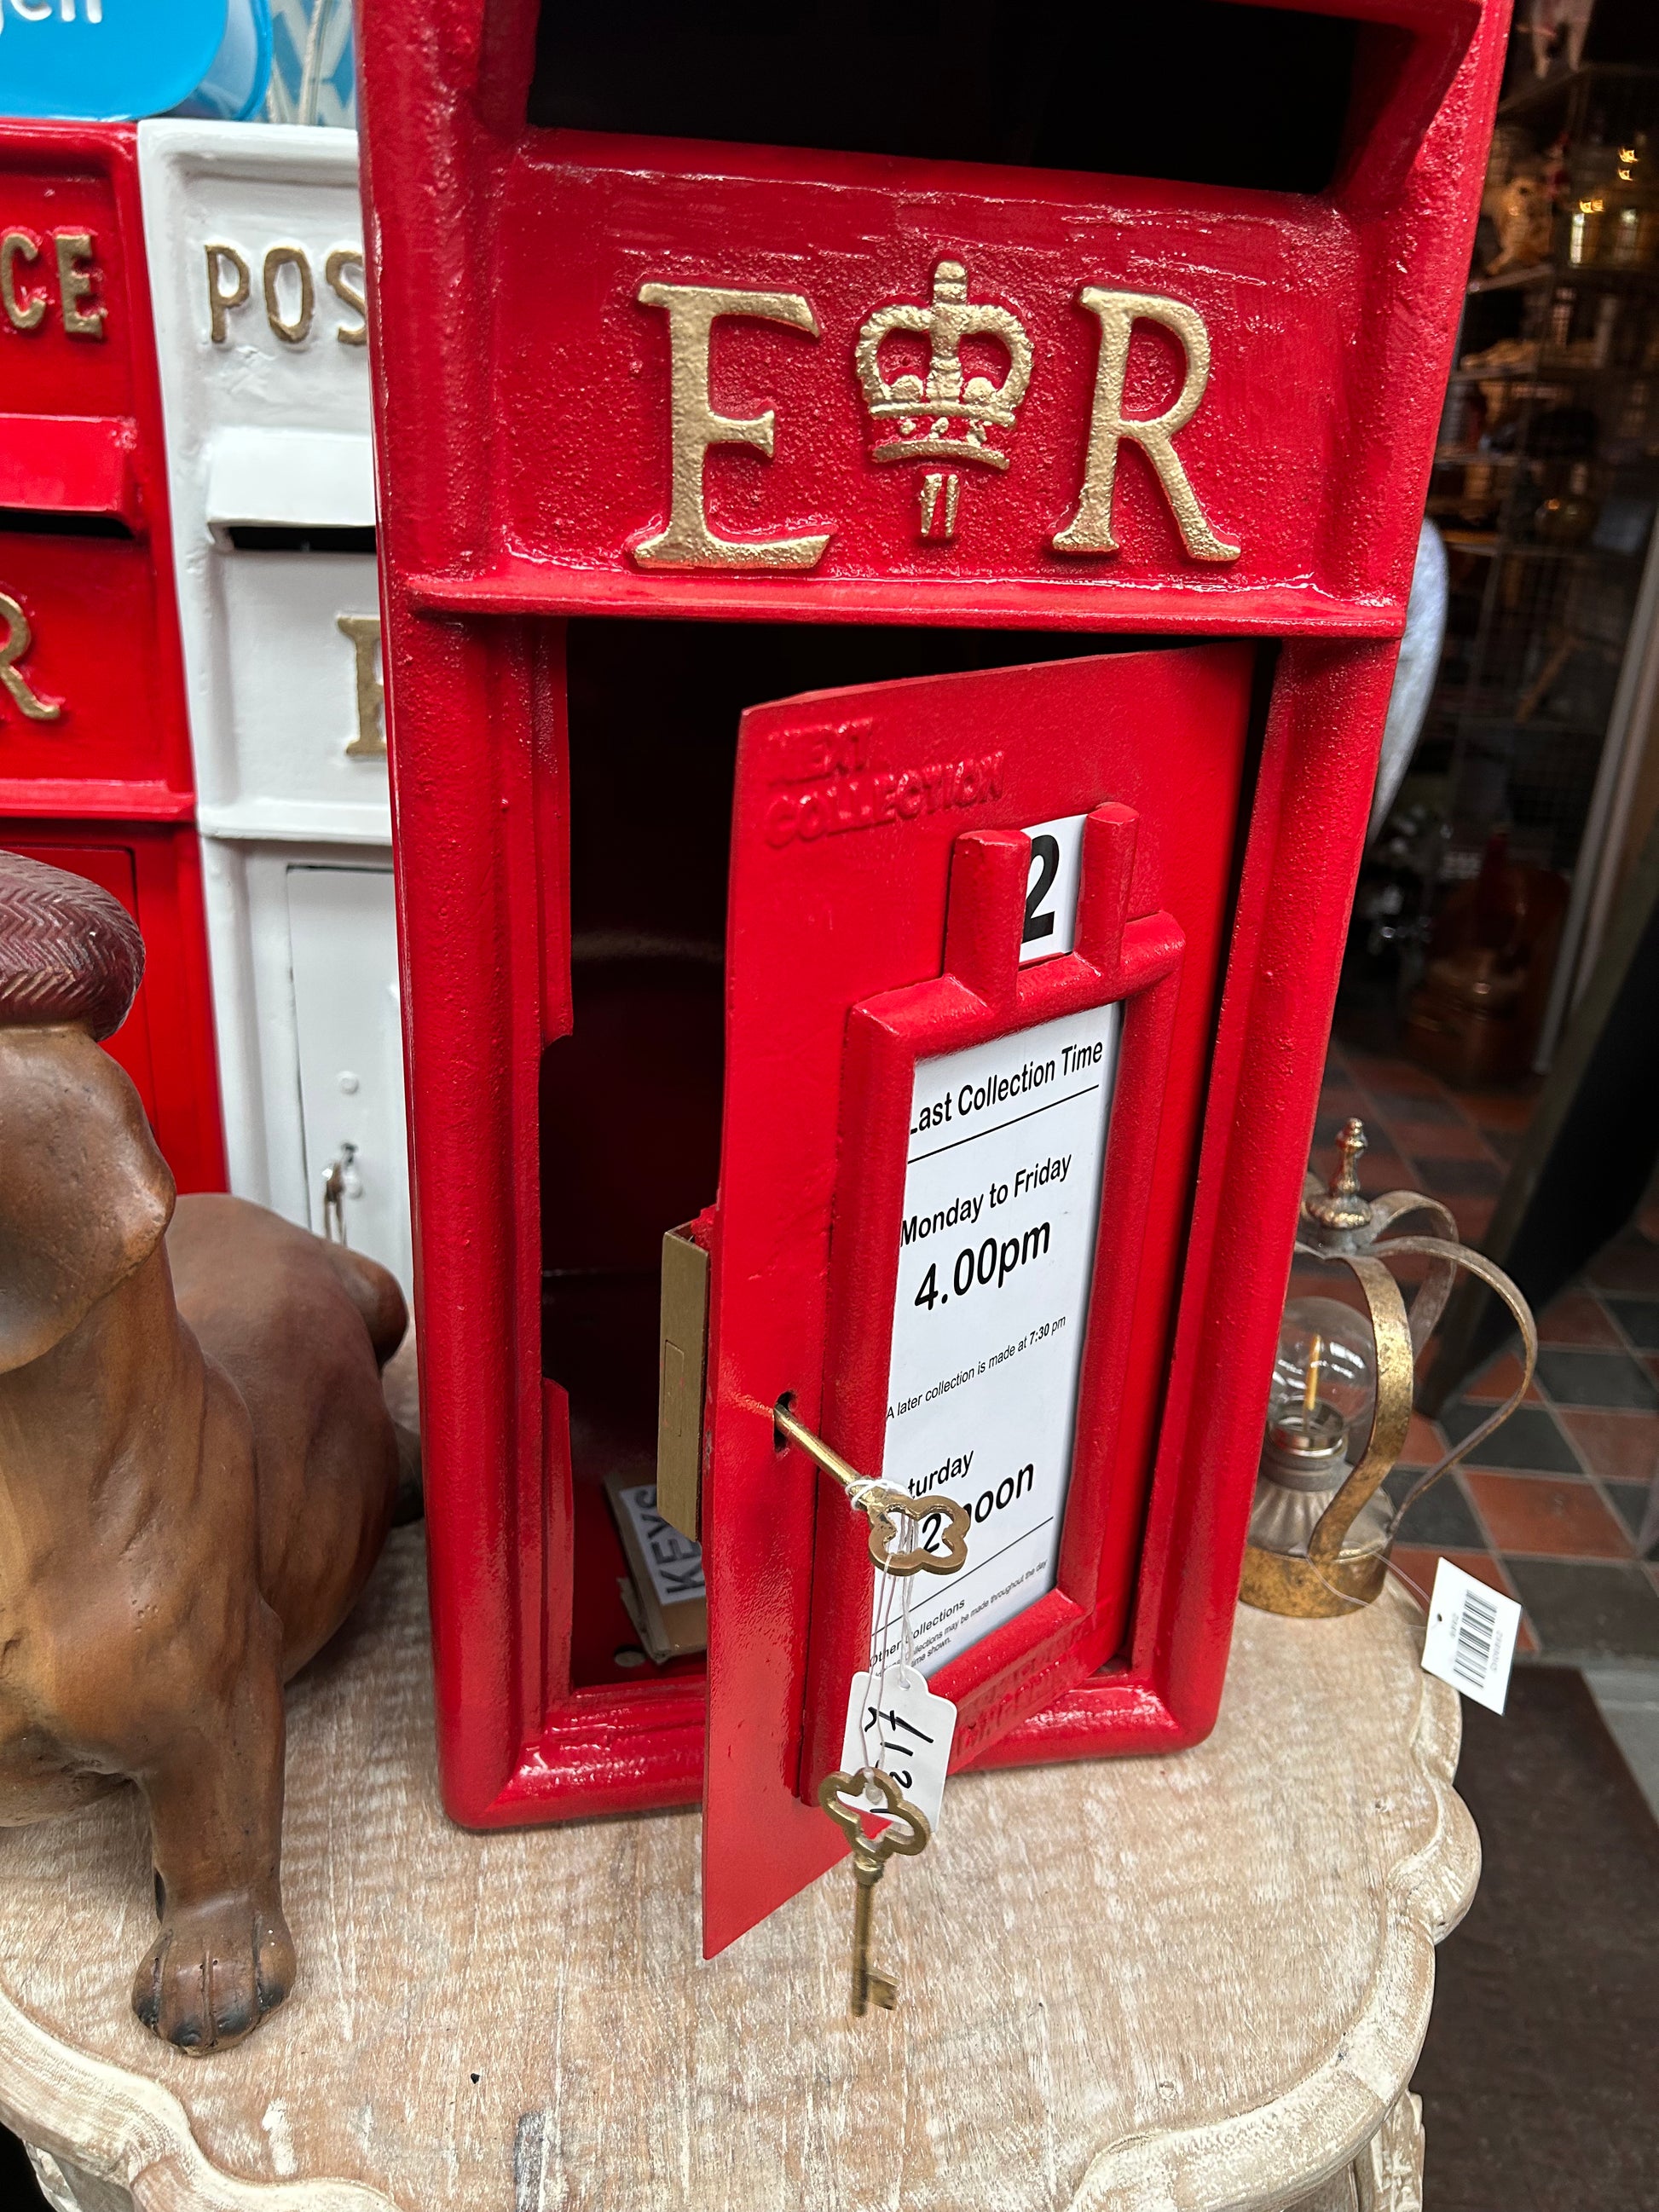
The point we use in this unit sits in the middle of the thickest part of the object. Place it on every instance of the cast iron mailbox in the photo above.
(256, 259)
(791, 847)
(95, 754)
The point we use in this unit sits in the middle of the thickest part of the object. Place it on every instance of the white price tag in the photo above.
(996, 1256)
(1471, 1636)
(905, 1730)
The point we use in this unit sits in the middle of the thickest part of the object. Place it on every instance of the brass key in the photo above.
(906, 1833)
(946, 1521)
(868, 1986)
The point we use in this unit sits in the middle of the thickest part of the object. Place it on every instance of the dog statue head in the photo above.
(85, 1196)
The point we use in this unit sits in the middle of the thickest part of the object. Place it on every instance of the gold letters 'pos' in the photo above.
(688, 541)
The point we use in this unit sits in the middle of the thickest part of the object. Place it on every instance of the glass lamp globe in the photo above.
(1325, 1364)
(1319, 1407)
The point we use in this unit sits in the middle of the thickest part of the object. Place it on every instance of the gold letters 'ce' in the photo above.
(688, 541)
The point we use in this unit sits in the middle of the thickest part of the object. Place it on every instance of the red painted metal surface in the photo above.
(166, 1044)
(85, 556)
(95, 748)
(525, 434)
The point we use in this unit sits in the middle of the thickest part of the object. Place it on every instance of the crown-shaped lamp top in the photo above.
(946, 417)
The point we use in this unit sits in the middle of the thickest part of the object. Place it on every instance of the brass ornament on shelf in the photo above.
(1320, 1533)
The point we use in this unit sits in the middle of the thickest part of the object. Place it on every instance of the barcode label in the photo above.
(1470, 1641)
(1471, 1661)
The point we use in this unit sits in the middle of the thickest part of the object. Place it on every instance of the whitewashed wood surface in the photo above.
(1176, 1985)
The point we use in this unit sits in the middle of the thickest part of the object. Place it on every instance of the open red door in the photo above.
(974, 941)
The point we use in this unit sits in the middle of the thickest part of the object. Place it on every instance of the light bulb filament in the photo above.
(1310, 1388)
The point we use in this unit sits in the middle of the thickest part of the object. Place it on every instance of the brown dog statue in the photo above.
(196, 1468)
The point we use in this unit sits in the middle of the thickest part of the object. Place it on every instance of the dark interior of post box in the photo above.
(300, 538)
(60, 522)
(630, 1100)
(1196, 91)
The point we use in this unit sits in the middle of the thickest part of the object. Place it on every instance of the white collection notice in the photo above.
(997, 1248)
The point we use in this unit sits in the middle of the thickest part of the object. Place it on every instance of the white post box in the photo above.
(255, 242)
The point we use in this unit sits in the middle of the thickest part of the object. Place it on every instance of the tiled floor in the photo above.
(1549, 1508)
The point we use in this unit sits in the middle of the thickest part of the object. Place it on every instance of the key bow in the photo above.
(908, 1830)
(882, 1508)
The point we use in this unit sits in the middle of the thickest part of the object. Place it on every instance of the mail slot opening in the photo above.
(55, 522)
(1245, 96)
(630, 1101)
(300, 537)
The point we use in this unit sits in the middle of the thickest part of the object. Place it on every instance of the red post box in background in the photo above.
(888, 625)
(94, 747)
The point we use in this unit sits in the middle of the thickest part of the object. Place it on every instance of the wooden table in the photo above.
(1173, 1984)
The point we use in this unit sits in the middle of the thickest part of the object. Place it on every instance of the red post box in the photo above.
(888, 627)
(94, 747)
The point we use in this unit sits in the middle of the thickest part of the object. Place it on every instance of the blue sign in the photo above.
(234, 88)
(106, 60)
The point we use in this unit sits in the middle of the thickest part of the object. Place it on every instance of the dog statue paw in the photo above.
(214, 1970)
(198, 1468)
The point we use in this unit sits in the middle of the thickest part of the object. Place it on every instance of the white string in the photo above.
(1358, 1604)
(1416, 1588)
(880, 1631)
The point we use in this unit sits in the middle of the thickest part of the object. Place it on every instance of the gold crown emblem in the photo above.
(944, 418)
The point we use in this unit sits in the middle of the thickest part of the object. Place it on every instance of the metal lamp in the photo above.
(1321, 1526)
